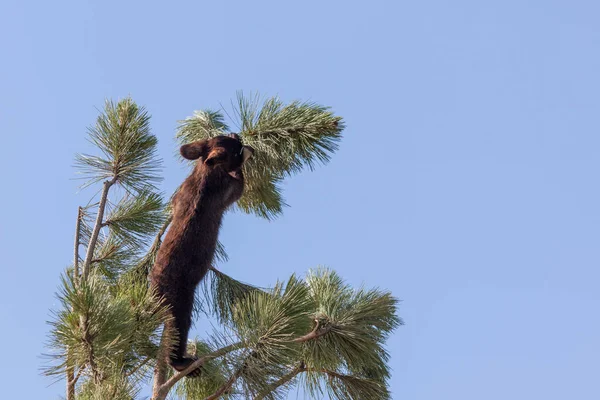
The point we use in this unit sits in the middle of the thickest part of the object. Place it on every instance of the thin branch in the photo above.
(161, 232)
(158, 239)
(147, 262)
(92, 244)
(71, 383)
(328, 372)
(314, 334)
(199, 362)
(226, 386)
(79, 372)
(161, 390)
(220, 274)
(281, 381)
(76, 247)
(140, 366)
(293, 373)
(70, 378)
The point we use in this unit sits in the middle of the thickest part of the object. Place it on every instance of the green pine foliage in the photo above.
(136, 217)
(287, 138)
(102, 325)
(128, 148)
(317, 331)
(214, 375)
(106, 333)
(106, 337)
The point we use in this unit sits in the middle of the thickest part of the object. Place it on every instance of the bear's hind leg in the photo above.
(182, 321)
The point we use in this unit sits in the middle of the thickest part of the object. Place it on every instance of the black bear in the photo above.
(189, 245)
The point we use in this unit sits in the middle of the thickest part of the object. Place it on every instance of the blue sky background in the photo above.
(467, 181)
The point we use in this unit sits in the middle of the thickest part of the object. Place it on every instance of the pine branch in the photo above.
(281, 381)
(161, 390)
(215, 372)
(97, 226)
(138, 367)
(145, 264)
(257, 356)
(314, 334)
(76, 246)
(88, 332)
(122, 134)
(113, 255)
(76, 377)
(203, 124)
(71, 379)
(341, 386)
(85, 232)
(225, 388)
(198, 363)
(221, 292)
(158, 239)
(134, 218)
(287, 138)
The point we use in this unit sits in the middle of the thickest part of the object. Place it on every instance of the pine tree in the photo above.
(107, 341)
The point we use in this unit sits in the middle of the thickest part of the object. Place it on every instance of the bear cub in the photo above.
(189, 245)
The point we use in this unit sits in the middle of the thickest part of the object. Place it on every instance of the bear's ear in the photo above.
(194, 150)
(216, 156)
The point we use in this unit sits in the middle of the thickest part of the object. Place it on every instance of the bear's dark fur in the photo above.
(189, 245)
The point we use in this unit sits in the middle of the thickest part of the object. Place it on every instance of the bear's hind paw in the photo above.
(183, 363)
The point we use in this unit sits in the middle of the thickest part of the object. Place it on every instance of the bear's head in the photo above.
(224, 151)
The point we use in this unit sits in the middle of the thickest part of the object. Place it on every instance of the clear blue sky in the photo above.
(467, 181)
